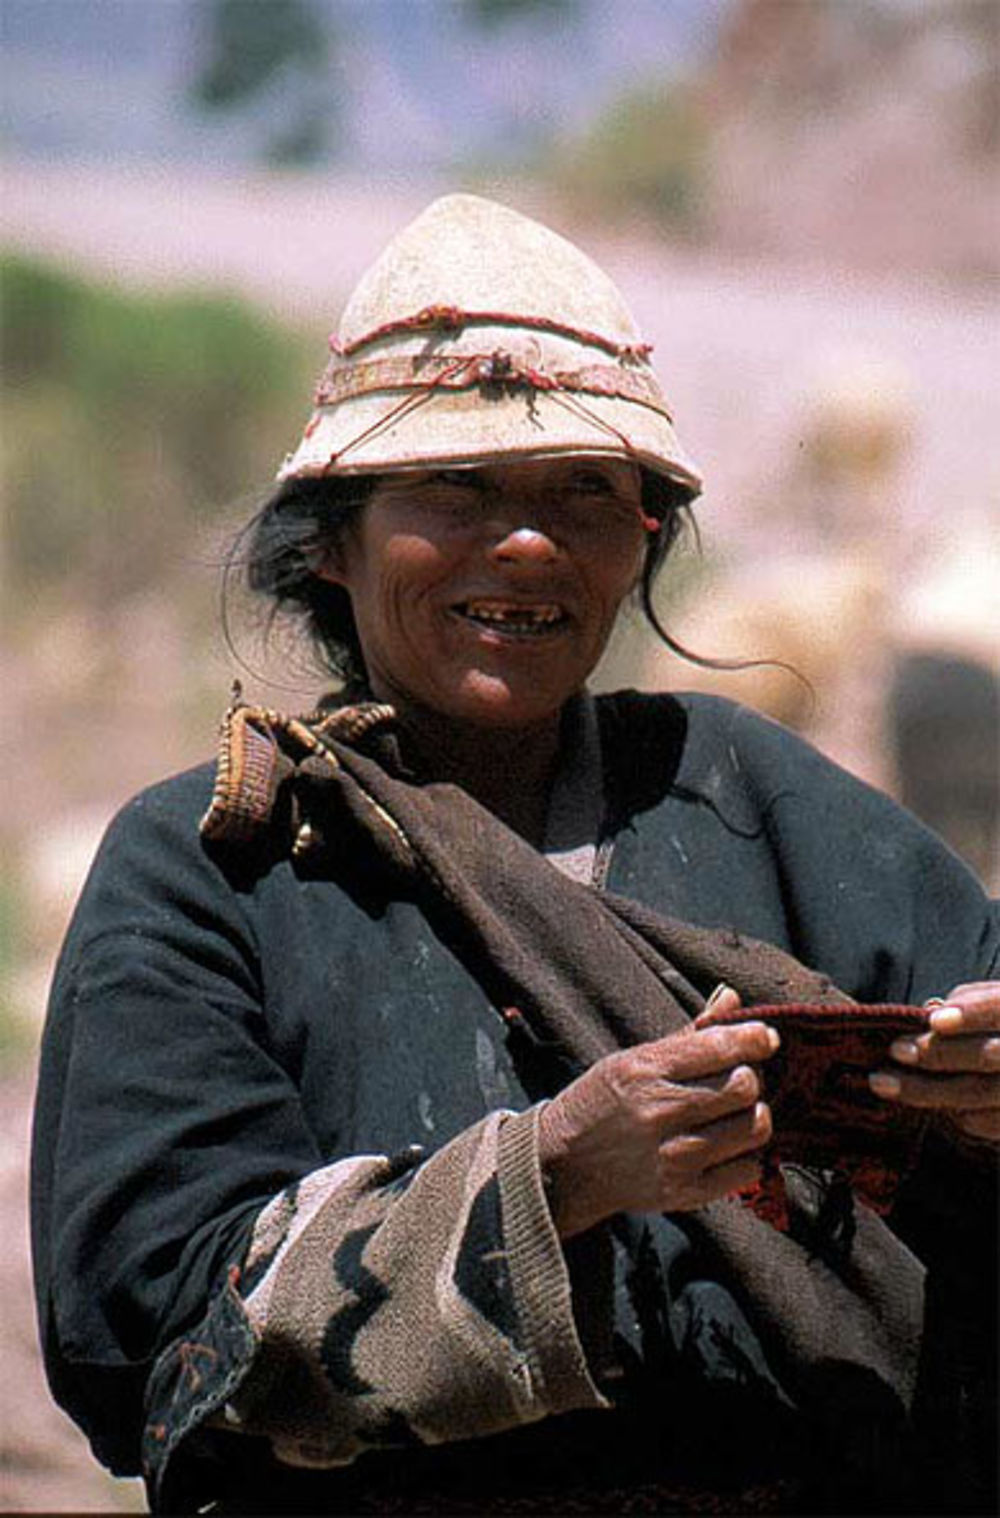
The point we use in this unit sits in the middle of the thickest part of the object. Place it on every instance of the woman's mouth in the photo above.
(514, 619)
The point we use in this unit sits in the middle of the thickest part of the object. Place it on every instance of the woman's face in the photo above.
(487, 595)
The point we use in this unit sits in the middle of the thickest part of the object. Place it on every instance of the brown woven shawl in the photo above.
(584, 972)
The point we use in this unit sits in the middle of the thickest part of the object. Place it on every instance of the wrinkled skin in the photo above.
(671, 1125)
(445, 567)
(561, 536)
(665, 1126)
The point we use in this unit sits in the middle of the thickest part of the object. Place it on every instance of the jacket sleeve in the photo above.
(392, 1303)
(190, 1236)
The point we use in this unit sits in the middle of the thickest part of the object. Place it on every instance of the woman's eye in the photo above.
(451, 494)
(592, 482)
(464, 479)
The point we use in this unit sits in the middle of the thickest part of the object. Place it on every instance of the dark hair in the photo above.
(279, 552)
(280, 548)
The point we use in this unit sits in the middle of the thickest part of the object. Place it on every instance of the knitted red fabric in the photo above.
(825, 1114)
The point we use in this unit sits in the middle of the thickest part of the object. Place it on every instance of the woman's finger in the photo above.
(971, 990)
(981, 1125)
(694, 1169)
(719, 1141)
(682, 1107)
(972, 1008)
(931, 1051)
(735, 1175)
(686, 1191)
(693, 1054)
(952, 1092)
(723, 999)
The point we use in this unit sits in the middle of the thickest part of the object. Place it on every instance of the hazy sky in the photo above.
(412, 81)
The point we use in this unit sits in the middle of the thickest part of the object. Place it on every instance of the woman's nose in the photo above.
(525, 545)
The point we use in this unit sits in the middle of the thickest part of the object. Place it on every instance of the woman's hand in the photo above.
(662, 1127)
(955, 1068)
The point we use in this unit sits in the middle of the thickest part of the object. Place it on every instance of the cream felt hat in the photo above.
(479, 335)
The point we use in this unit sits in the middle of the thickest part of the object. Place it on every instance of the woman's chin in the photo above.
(489, 702)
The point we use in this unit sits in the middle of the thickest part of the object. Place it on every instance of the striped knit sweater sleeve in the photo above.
(392, 1309)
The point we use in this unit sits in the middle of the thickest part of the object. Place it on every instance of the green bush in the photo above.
(646, 154)
(131, 419)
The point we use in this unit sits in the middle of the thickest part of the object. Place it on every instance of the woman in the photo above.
(386, 1151)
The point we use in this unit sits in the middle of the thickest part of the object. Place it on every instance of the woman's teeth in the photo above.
(512, 618)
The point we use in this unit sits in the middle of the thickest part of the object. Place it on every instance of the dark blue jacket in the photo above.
(218, 1030)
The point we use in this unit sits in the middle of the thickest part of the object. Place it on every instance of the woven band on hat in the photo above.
(453, 319)
(467, 371)
(480, 335)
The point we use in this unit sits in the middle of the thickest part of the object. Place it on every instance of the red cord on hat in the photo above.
(453, 319)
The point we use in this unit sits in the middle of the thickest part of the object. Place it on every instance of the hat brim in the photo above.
(383, 431)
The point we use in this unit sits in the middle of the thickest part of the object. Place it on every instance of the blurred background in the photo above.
(799, 198)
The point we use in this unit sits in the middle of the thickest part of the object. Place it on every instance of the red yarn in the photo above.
(453, 319)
